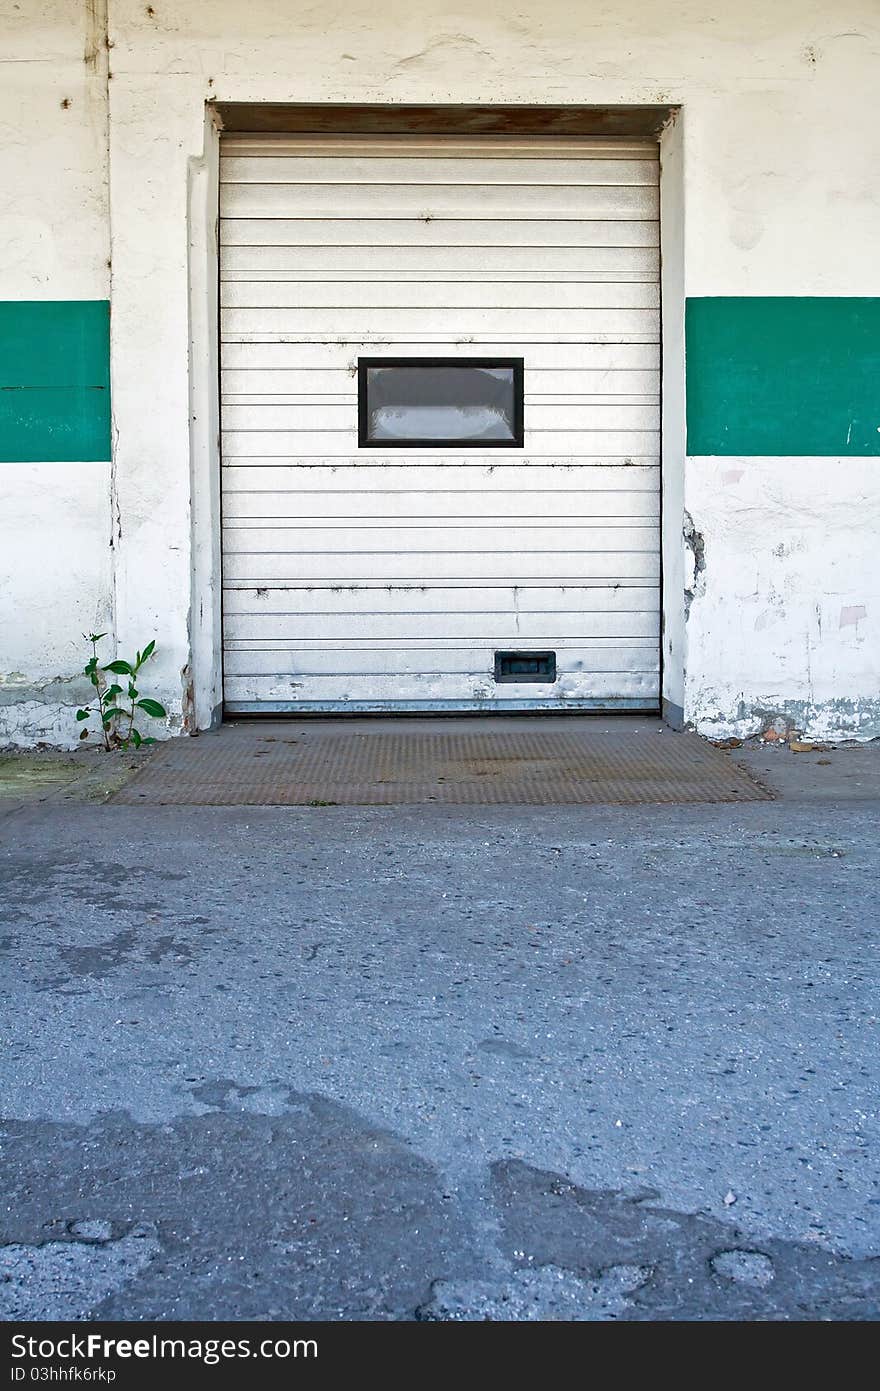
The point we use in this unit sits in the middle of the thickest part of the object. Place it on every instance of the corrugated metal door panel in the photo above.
(360, 581)
(427, 146)
(437, 201)
(548, 263)
(507, 565)
(432, 168)
(553, 444)
(427, 233)
(430, 690)
(290, 605)
(506, 624)
(474, 508)
(547, 354)
(479, 485)
(444, 295)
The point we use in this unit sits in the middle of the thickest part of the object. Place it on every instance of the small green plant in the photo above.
(118, 708)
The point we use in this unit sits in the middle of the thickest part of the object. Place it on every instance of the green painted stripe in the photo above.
(783, 376)
(54, 380)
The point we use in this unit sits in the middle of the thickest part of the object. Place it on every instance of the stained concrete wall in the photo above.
(784, 627)
(775, 161)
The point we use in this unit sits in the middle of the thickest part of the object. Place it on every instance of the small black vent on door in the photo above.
(525, 666)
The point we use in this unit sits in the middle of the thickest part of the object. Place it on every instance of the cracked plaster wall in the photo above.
(784, 624)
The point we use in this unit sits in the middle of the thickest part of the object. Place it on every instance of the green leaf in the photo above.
(152, 707)
(93, 677)
(112, 691)
(148, 651)
(121, 668)
(136, 739)
(83, 714)
(96, 637)
(113, 712)
(90, 666)
(148, 740)
(132, 691)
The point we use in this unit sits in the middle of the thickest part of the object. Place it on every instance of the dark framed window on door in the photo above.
(440, 402)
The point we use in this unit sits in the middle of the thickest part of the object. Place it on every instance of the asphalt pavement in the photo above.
(443, 1062)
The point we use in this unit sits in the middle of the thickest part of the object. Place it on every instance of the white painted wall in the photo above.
(791, 640)
(55, 557)
(779, 146)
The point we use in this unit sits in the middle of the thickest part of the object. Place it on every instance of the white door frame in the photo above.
(205, 618)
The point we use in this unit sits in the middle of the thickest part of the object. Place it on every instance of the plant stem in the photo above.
(100, 695)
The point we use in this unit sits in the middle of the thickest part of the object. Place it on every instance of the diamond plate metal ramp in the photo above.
(475, 762)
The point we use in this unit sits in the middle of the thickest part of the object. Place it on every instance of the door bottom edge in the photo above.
(613, 705)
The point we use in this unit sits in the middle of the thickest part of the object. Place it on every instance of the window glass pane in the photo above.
(441, 402)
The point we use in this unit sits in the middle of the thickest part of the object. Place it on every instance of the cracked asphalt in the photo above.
(438, 1063)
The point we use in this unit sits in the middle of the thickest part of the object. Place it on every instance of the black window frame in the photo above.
(452, 446)
(519, 678)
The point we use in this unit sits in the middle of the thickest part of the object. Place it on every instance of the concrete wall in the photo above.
(775, 164)
(55, 556)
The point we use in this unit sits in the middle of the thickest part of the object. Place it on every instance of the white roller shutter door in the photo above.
(388, 580)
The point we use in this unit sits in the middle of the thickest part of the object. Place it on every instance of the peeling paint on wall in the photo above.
(777, 719)
(695, 563)
(786, 635)
(41, 712)
(188, 723)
